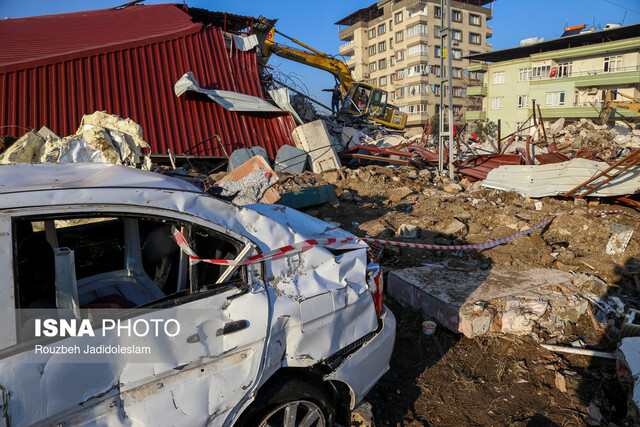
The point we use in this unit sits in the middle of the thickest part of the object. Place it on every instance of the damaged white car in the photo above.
(129, 297)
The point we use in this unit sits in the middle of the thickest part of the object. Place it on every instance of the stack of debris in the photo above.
(585, 134)
(101, 138)
(303, 107)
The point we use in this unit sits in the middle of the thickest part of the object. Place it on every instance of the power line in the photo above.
(624, 7)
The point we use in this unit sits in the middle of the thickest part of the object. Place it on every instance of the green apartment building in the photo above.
(567, 77)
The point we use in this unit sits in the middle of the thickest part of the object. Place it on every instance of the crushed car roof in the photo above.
(48, 176)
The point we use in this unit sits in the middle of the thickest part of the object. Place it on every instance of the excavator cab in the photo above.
(365, 99)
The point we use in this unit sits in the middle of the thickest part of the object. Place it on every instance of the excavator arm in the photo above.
(609, 105)
(360, 98)
(314, 58)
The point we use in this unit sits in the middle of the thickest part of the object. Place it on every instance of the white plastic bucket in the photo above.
(428, 327)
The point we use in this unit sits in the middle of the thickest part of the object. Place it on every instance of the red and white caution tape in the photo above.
(308, 244)
(274, 254)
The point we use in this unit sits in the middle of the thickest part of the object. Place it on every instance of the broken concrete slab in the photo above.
(314, 139)
(291, 159)
(249, 183)
(448, 295)
(243, 155)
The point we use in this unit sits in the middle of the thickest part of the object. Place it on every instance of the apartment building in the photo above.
(395, 44)
(567, 77)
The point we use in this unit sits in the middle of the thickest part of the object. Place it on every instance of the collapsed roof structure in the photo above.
(56, 68)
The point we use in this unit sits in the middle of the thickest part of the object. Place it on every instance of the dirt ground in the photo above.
(498, 379)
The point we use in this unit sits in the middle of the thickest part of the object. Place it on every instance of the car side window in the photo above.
(78, 264)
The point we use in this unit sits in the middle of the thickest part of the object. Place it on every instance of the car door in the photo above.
(121, 265)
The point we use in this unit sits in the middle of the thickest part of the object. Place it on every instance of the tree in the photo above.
(486, 128)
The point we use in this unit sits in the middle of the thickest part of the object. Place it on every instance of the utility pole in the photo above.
(446, 92)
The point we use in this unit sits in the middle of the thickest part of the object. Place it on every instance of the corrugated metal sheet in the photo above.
(478, 167)
(135, 80)
(557, 178)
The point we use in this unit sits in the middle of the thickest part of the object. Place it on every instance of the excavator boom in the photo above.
(360, 99)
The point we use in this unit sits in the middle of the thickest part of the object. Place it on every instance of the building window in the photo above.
(400, 55)
(372, 50)
(400, 74)
(564, 69)
(399, 36)
(382, 29)
(416, 109)
(496, 103)
(419, 49)
(382, 64)
(457, 35)
(475, 75)
(392, 78)
(435, 69)
(540, 71)
(372, 33)
(474, 19)
(523, 101)
(474, 38)
(437, 12)
(457, 91)
(457, 73)
(421, 89)
(417, 30)
(437, 51)
(612, 63)
(373, 82)
(456, 15)
(437, 31)
(498, 78)
(457, 110)
(398, 17)
(435, 89)
(383, 81)
(401, 91)
(372, 67)
(555, 99)
(457, 53)
(524, 74)
(382, 46)
(418, 70)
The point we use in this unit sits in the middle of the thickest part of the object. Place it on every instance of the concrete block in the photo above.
(242, 155)
(291, 159)
(448, 295)
(314, 139)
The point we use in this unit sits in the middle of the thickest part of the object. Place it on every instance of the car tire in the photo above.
(290, 402)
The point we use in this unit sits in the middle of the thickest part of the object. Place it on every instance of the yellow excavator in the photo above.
(360, 99)
(610, 104)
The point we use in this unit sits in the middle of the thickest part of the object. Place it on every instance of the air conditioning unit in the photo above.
(592, 91)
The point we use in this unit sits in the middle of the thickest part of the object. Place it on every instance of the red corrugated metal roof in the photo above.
(39, 37)
(478, 167)
(135, 79)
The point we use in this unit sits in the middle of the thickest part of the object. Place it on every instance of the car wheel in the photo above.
(298, 413)
(290, 402)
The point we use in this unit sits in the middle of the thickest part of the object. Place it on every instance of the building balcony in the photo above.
(489, 32)
(347, 34)
(623, 75)
(582, 110)
(348, 49)
(417, 19)
(475, 115)
(477, 90)
(480, 67)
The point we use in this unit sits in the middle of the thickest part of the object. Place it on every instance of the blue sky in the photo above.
(312, 21)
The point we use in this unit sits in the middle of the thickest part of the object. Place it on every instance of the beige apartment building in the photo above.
(395, 44)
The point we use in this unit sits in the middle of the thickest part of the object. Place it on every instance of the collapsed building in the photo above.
(56, 68)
